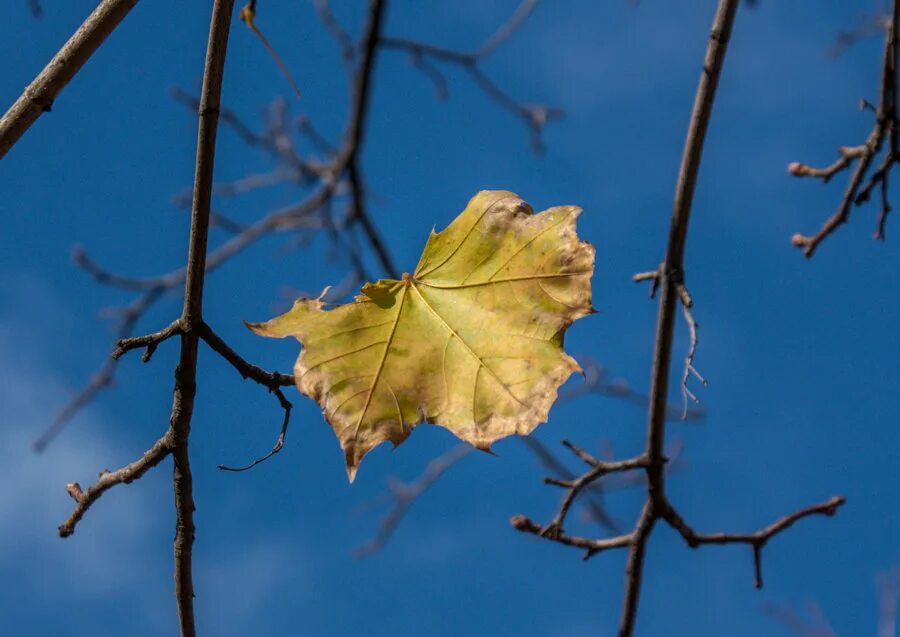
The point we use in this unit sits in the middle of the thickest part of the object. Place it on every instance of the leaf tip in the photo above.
(351, 470)
(485, 447)
(325, 291)
(256, 328)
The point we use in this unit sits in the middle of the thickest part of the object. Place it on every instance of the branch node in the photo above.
(149, 341)
(74, 490)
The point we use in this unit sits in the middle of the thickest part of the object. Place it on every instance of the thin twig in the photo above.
(575, 487)
(886, 126)
(506, 30)
(591, 546)
(272, 380)
(756, 540)
(248, 16)
(405, 494)
(595, 509)
(595, 382)
(535, 116)
(157, 286)
(687, 305)
(340, 175)
(345, 42)
(39, 96)
(148, 341)
(814, 625)
(128, 317)
(108, 479)
(278, 220)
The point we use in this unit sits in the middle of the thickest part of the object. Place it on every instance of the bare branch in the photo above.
(272, 380)
(756, 540)
(590, 545)
(279, 442)
(595, 509)
(345, 42)
(887, 585)
(405, 494)
(535, 116)
(505, 30)
(39, 96)
(814, 625)
(343, 165)
(596, 381)
(686, 305)
(669, 279)
(653, 277)
(129, 316)
(192, 312)
(869, 25)
(149, 341)
(248, 17)
(83, 261)
(885, 128)
(108, 479)
(575, 487)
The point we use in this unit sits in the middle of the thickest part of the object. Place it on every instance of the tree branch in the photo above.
(886, 127)
(188, 326)
(192, 311)
(108, 479)
(405, 494)
(756, 540)
(669, 280)
(535, 116)
(39, 96)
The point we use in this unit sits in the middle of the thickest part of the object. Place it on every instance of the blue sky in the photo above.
(801, 355)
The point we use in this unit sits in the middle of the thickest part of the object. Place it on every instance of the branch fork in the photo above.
(886, 130)
(675, 277)
(668, 281)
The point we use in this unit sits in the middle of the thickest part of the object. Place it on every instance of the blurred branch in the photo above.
(885, 129)
(535, 116)
(405, 494)
(669, 281)
(341, 174)
(338, 177)
(402, 495)
(887, 586)
(810, 623)
(868, 26)
(345, 42)
(39, 96)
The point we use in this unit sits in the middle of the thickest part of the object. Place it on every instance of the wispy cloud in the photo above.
(105, 557)
(120, 552)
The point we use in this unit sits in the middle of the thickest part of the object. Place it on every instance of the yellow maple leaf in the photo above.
(471, 341)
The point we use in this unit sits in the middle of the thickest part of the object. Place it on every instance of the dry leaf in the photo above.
(471, 341)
